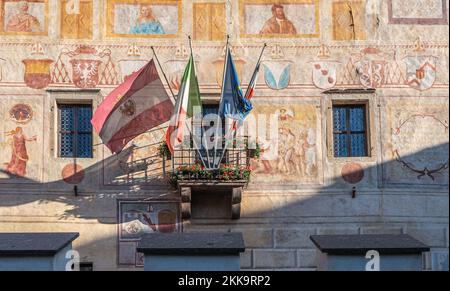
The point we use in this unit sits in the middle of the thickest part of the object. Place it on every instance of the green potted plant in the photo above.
(164, 151)
(254, 152)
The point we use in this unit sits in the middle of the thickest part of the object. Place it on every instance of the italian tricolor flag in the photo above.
(188, 97)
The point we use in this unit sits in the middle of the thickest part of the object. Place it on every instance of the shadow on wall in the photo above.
(80, 200)
(412, 171)
(385, 193)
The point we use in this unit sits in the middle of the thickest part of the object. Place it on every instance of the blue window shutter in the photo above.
(349, 131)
(357, 119)
(75, 131)
(67, 124)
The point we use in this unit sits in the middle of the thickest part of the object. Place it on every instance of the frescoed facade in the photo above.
(358, 91)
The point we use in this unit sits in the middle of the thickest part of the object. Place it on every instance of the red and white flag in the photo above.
(137, 105)
(252, 84)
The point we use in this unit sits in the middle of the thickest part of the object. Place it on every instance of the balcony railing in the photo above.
(187, 164)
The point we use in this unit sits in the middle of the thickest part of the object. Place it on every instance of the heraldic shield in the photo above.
(420, 71)
(277, 74)
(324, 74)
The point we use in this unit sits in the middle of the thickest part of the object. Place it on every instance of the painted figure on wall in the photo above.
(290, 155)
(269, 153)
(23, 21)
(139, 18)
(285, 115)
(19, 156)
(147, 22)
(278, 24)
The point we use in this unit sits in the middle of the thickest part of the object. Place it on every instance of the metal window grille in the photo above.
(75, 131)
(349, 131)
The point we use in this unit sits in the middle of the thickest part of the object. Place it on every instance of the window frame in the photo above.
(348, 132)
(355, 97)
(77, 104)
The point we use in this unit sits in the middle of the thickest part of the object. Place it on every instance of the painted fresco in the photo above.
(132, 63)
(417, 158)
(175, 67)
(136, 218)
(37, 68)
(209, 21)
(293, 157)
(143, 18)
(422, 12)
(24, 17)
(288, 18)
(91, 46)
(371, 67)
(277, 70)
(420, 71)
(76, 19)
(324, 69)
(1, 68)
(85, 67)
(21, 139)
(218, 64)
(349, 20)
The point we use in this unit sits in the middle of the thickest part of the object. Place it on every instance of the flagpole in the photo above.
(221, 97)
(256, 66)
(164, 74)
(192, 121)
(190, 43)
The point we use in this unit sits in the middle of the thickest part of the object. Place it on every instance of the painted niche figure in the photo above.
(278, 23)
(23, 21)
(19, 156)
(147, 22)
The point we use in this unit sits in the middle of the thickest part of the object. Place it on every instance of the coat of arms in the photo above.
(372, 73)
(128, 108)
(420, 71)
(277, 74)
(325, 74)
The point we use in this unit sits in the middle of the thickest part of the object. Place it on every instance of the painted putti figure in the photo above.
(147, 22)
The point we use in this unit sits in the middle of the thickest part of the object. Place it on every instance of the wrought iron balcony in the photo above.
(189, 164)
(191, 174)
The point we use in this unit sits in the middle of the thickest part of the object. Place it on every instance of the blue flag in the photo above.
(233, 104)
